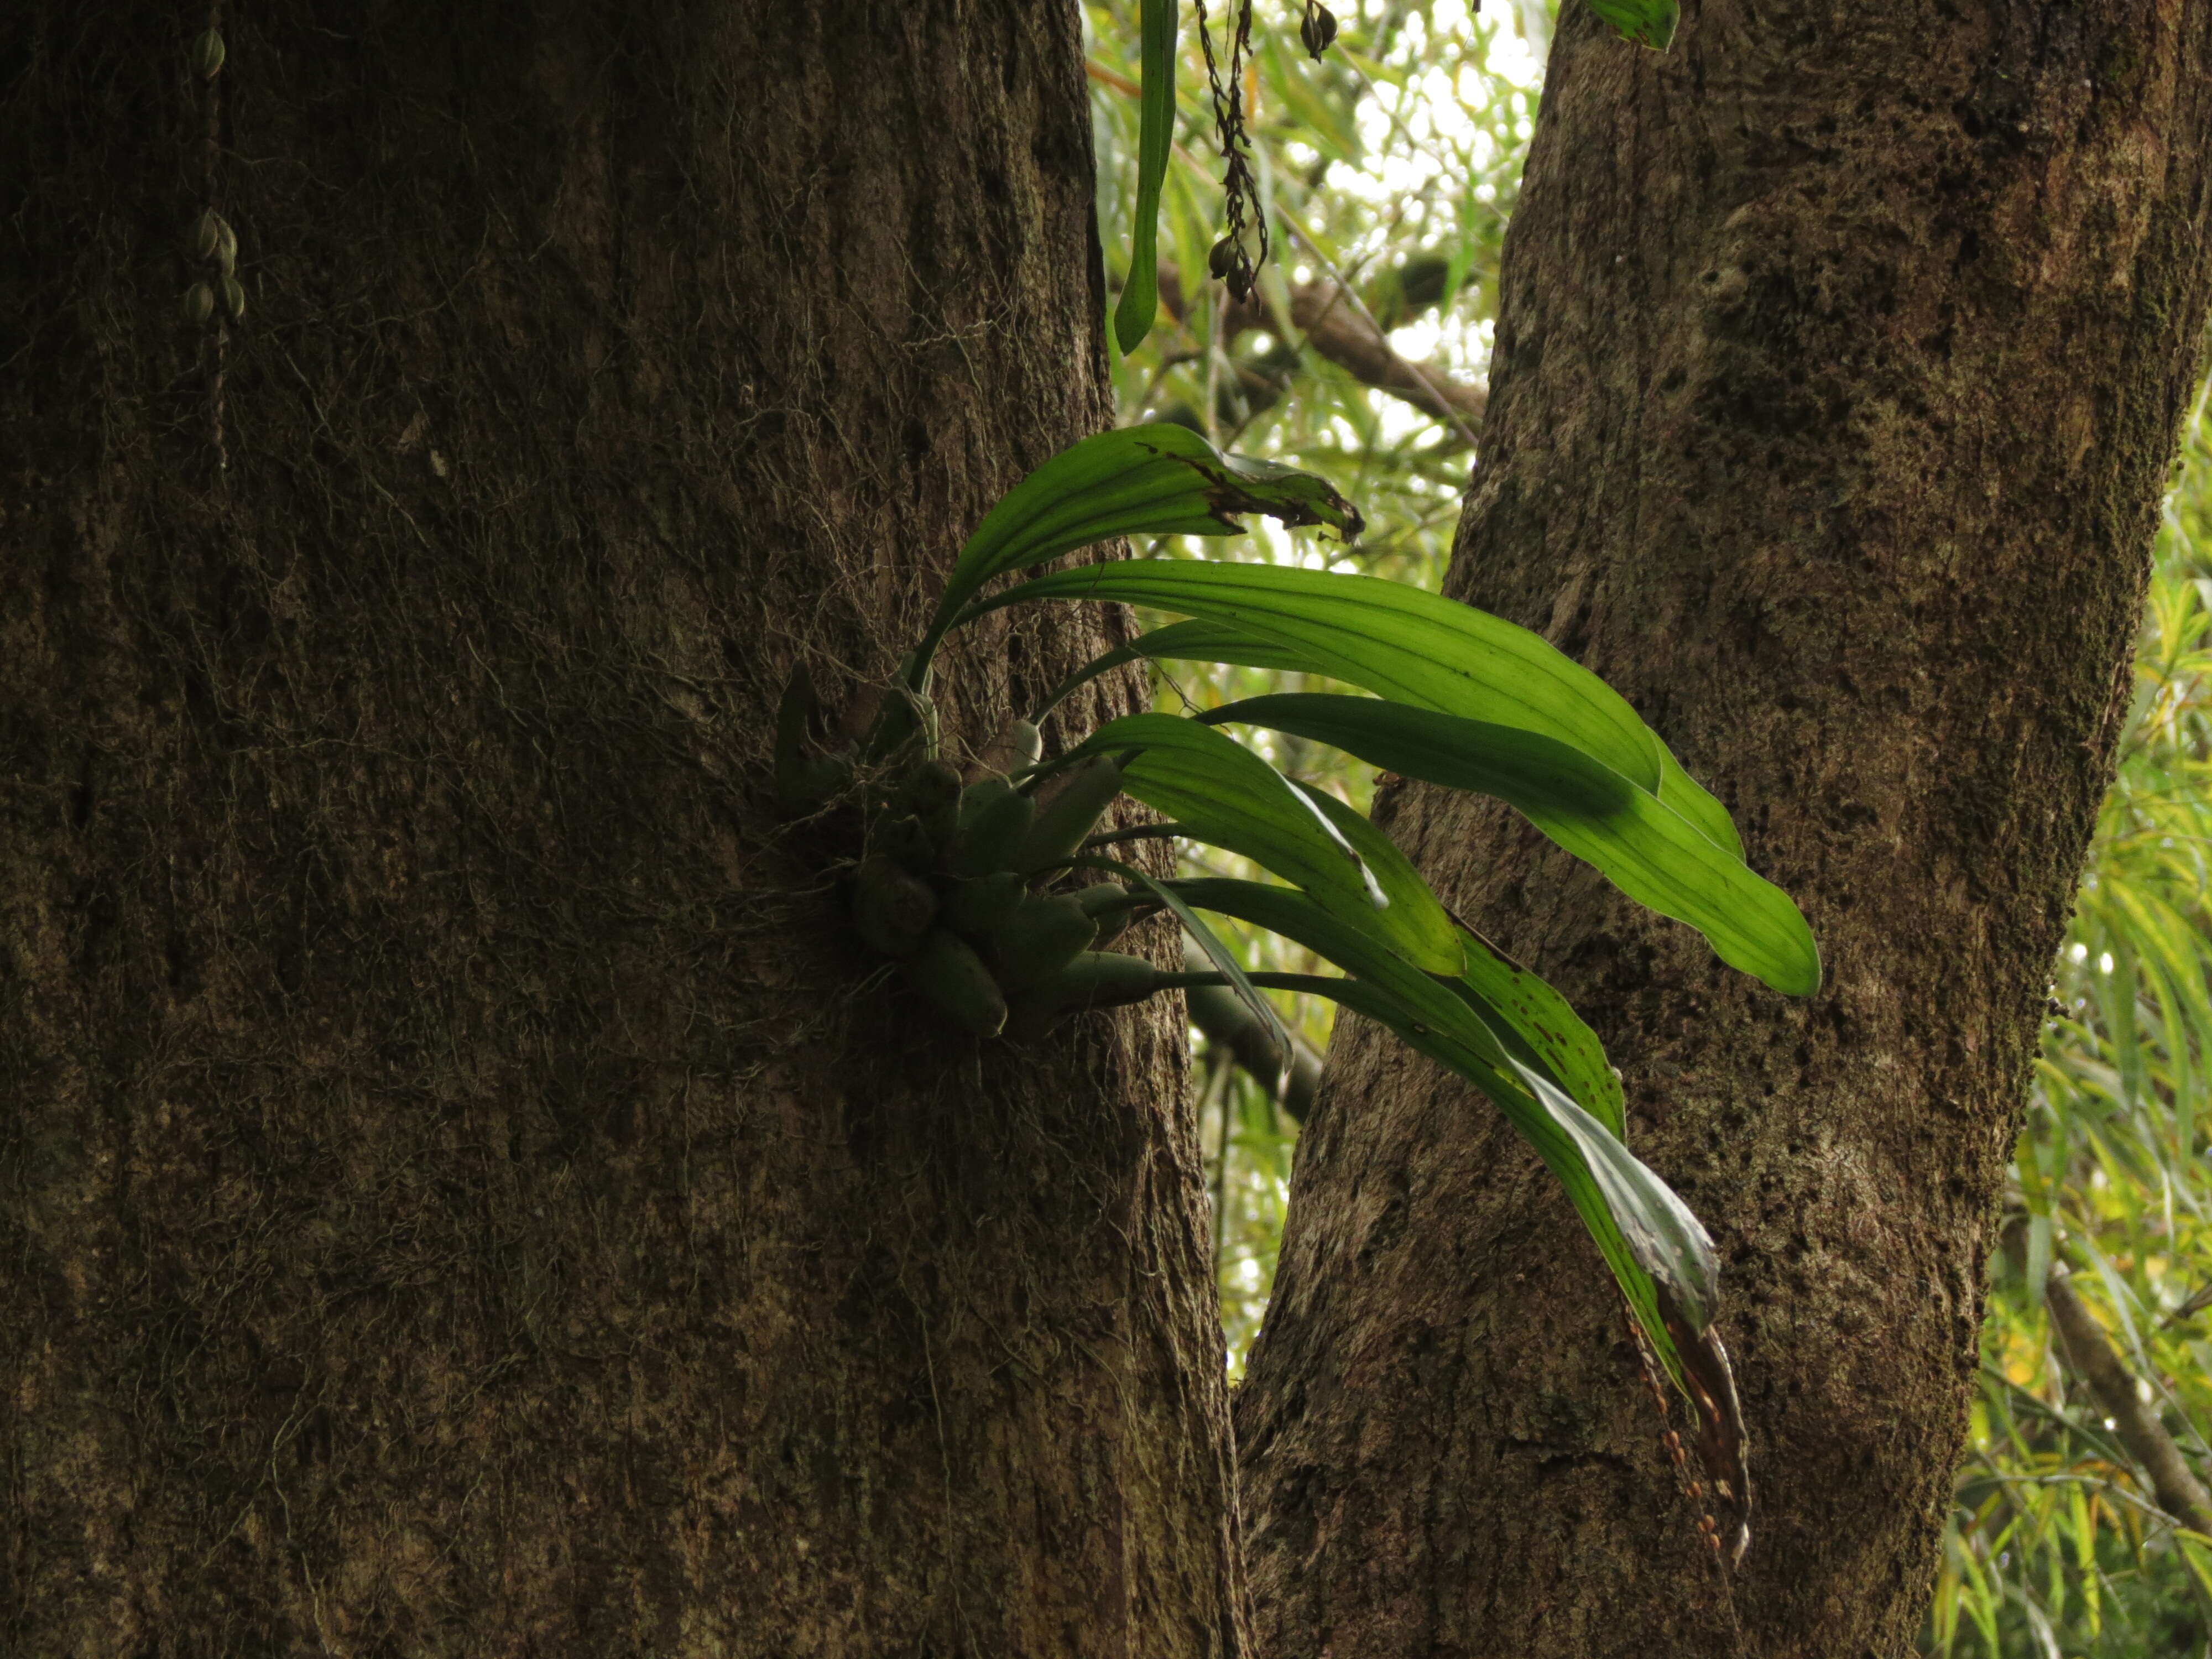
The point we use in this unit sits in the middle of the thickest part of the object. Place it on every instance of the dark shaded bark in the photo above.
(462, 1193)
(1835, 383)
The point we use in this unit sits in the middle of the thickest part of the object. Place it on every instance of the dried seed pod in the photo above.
(208, 53)
(199, 303)
(1222, 260)
(234, 296)
(1317, 29)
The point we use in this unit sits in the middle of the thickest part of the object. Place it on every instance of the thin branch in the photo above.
(2180, 1492)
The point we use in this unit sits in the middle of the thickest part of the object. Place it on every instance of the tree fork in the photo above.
(1838, 376)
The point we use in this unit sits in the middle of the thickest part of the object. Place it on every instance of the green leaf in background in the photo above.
(1652, 854)
(1647, 22)
(1645, 1232)
(1158, 480)
(1140, 295)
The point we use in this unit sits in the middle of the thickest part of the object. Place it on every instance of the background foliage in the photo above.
(1388, 172)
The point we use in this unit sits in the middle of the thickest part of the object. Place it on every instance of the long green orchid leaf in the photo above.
(1646, 22)
(1647, 1236)
(1203, 640)
(1140, 295)
(1652, 854)
(1221, 793)
(1155, 480)
(1400, 642)
(1423, 931)
(1515, 1002)
(1186, 641)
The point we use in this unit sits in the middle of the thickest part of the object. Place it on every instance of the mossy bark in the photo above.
(1836, 385)
(465, 1191)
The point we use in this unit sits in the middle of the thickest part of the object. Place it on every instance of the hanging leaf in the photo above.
(1516, 1003)
(1651, 852)
(1187, 641)
(1648, 1236)
(1140, 295)
(1215, 641)
(1424, 935)
(1157, 480)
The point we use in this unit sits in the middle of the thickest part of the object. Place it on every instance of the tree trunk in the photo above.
(1836, 384)
(464, 1193)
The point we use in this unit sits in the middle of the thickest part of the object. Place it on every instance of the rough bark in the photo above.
(1836, 384)
(463, 1193)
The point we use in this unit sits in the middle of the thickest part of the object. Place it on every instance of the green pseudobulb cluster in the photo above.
(967, 884)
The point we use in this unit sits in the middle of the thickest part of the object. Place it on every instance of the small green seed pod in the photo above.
(234, 296)
(206, 236)
(1096, 979)
(199, 303)
(1108, 905)
(929, 787)
(226, 245)
(208, 53)
(1019, 745)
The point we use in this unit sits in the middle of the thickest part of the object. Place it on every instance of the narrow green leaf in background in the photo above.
(1140, 294)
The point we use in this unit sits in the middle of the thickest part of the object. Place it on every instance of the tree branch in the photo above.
(2175, 1484)
(1337, 330)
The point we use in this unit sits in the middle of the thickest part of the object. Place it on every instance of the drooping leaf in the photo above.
(1684, 794)
(1651, 852)
(1515, 1002)
(1140, 295)
(1400, 642)
(1646, 1234)
(1201, 640)
(1157, 480)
